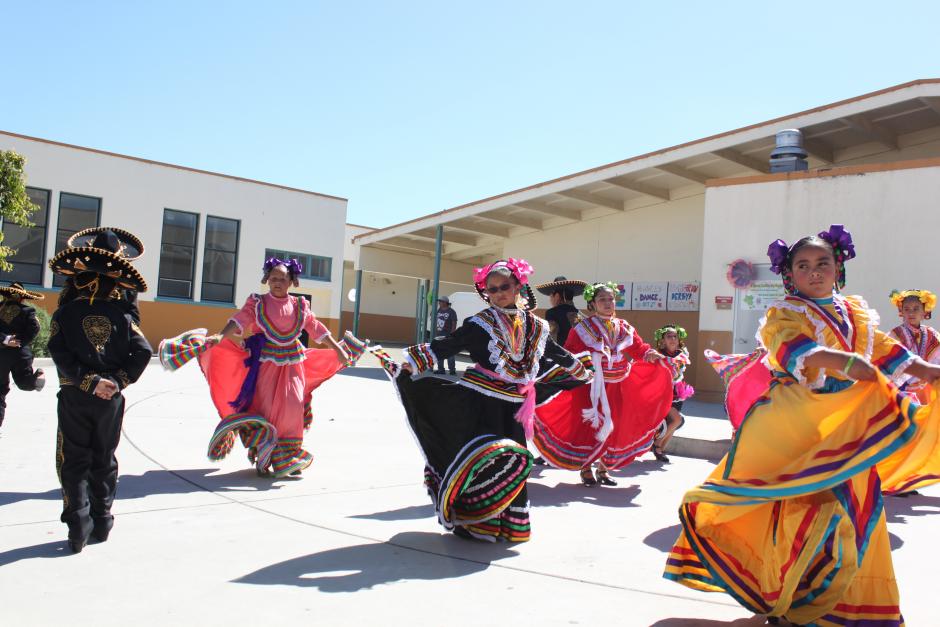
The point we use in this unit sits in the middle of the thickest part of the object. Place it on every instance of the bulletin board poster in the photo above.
(761, 294)
(683, 296)
(650, 296)
(624, 295)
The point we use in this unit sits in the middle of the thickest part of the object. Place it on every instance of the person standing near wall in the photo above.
(563, 314)
(445, 324)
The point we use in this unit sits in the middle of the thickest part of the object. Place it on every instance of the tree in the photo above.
(15, 205)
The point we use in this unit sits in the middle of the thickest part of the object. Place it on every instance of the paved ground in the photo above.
(353, 541)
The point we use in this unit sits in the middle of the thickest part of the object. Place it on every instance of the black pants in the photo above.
(451, 361)
(18, 363)
(89, 432)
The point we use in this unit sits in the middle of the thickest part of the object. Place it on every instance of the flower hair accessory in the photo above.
(591, 290)
(663, 330)
(294, 267)
(779, 254)
(842, 247)
(926, 297)
(520, 268)
(840, 240)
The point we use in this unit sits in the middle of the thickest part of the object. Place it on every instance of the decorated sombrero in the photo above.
(519, 269)
(561, 283)
(130, 248)
(16, 290)
(103, 257)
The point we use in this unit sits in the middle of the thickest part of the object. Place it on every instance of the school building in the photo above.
(206, 234)
(668, 224)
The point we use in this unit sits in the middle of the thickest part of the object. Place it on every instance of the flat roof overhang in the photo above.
(881, 122)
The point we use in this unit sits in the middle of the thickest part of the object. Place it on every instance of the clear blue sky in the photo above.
(407, 108)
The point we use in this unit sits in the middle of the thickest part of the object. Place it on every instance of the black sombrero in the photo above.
(561, 283)
(17, 290)
(130, 247)
(526, 293)
(102, 258)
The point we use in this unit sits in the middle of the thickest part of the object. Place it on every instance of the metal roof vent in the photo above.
(789, 155)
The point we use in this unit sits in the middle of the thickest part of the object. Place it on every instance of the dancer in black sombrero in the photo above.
(129, 247)
(98, 351)
(473, 433)
(18, 328)
(563, 315)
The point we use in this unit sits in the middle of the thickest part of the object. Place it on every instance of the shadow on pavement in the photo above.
(663, 539)
(364, 373)
(896, 541)
(898, 509)
(352, 568)
(41, 551)
(562, 494)
(165, 482)
(701, 622)
(704, 410)
(640, 467)
(412, 512)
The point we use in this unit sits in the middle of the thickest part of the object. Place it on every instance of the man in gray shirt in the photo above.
(445, 324)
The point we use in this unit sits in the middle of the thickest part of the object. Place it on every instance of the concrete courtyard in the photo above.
(352, 542)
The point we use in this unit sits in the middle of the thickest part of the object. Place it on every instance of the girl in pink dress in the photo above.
(261, 377)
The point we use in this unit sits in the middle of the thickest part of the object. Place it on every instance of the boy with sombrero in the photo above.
(563, 315)
(129, 247)
(18, 328)
(98, 350)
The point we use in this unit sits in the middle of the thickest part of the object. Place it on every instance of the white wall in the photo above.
(135, 193)
(389, 294)
(657, 243)
(892, 216)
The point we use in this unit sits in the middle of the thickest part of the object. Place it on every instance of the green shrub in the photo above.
(40, 345)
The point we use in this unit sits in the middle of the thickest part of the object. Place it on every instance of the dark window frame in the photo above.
(305, 259)
(58, 280)
(195, 247)
(45, 241)
(206, 249)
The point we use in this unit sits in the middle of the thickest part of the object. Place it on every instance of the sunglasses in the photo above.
(502, 288)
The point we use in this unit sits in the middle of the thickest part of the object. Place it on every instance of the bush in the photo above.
(40, 344)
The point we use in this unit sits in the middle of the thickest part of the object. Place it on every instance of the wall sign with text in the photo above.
(683, 296)
(625, 296)
(650, 296)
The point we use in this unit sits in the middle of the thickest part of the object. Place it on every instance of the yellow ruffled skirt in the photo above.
(791, 522)
(917, 463)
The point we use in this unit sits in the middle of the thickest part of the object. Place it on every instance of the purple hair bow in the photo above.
(294, 267)
(840, 240)
(778, 251)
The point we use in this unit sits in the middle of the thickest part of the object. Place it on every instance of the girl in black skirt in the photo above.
(473, 432)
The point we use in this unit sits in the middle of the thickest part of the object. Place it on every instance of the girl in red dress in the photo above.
(617, 417)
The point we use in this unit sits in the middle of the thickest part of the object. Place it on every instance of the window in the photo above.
(315, 267)
(28, 241)
(220, 260)
(177, 254)
(76, 212)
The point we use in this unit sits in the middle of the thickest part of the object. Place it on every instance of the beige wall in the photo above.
(656, 243)
(890, 212)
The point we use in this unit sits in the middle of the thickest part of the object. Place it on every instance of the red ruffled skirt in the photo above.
(638, 406)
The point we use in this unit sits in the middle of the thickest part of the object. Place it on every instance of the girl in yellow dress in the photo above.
(915, 306)
(791, 522)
